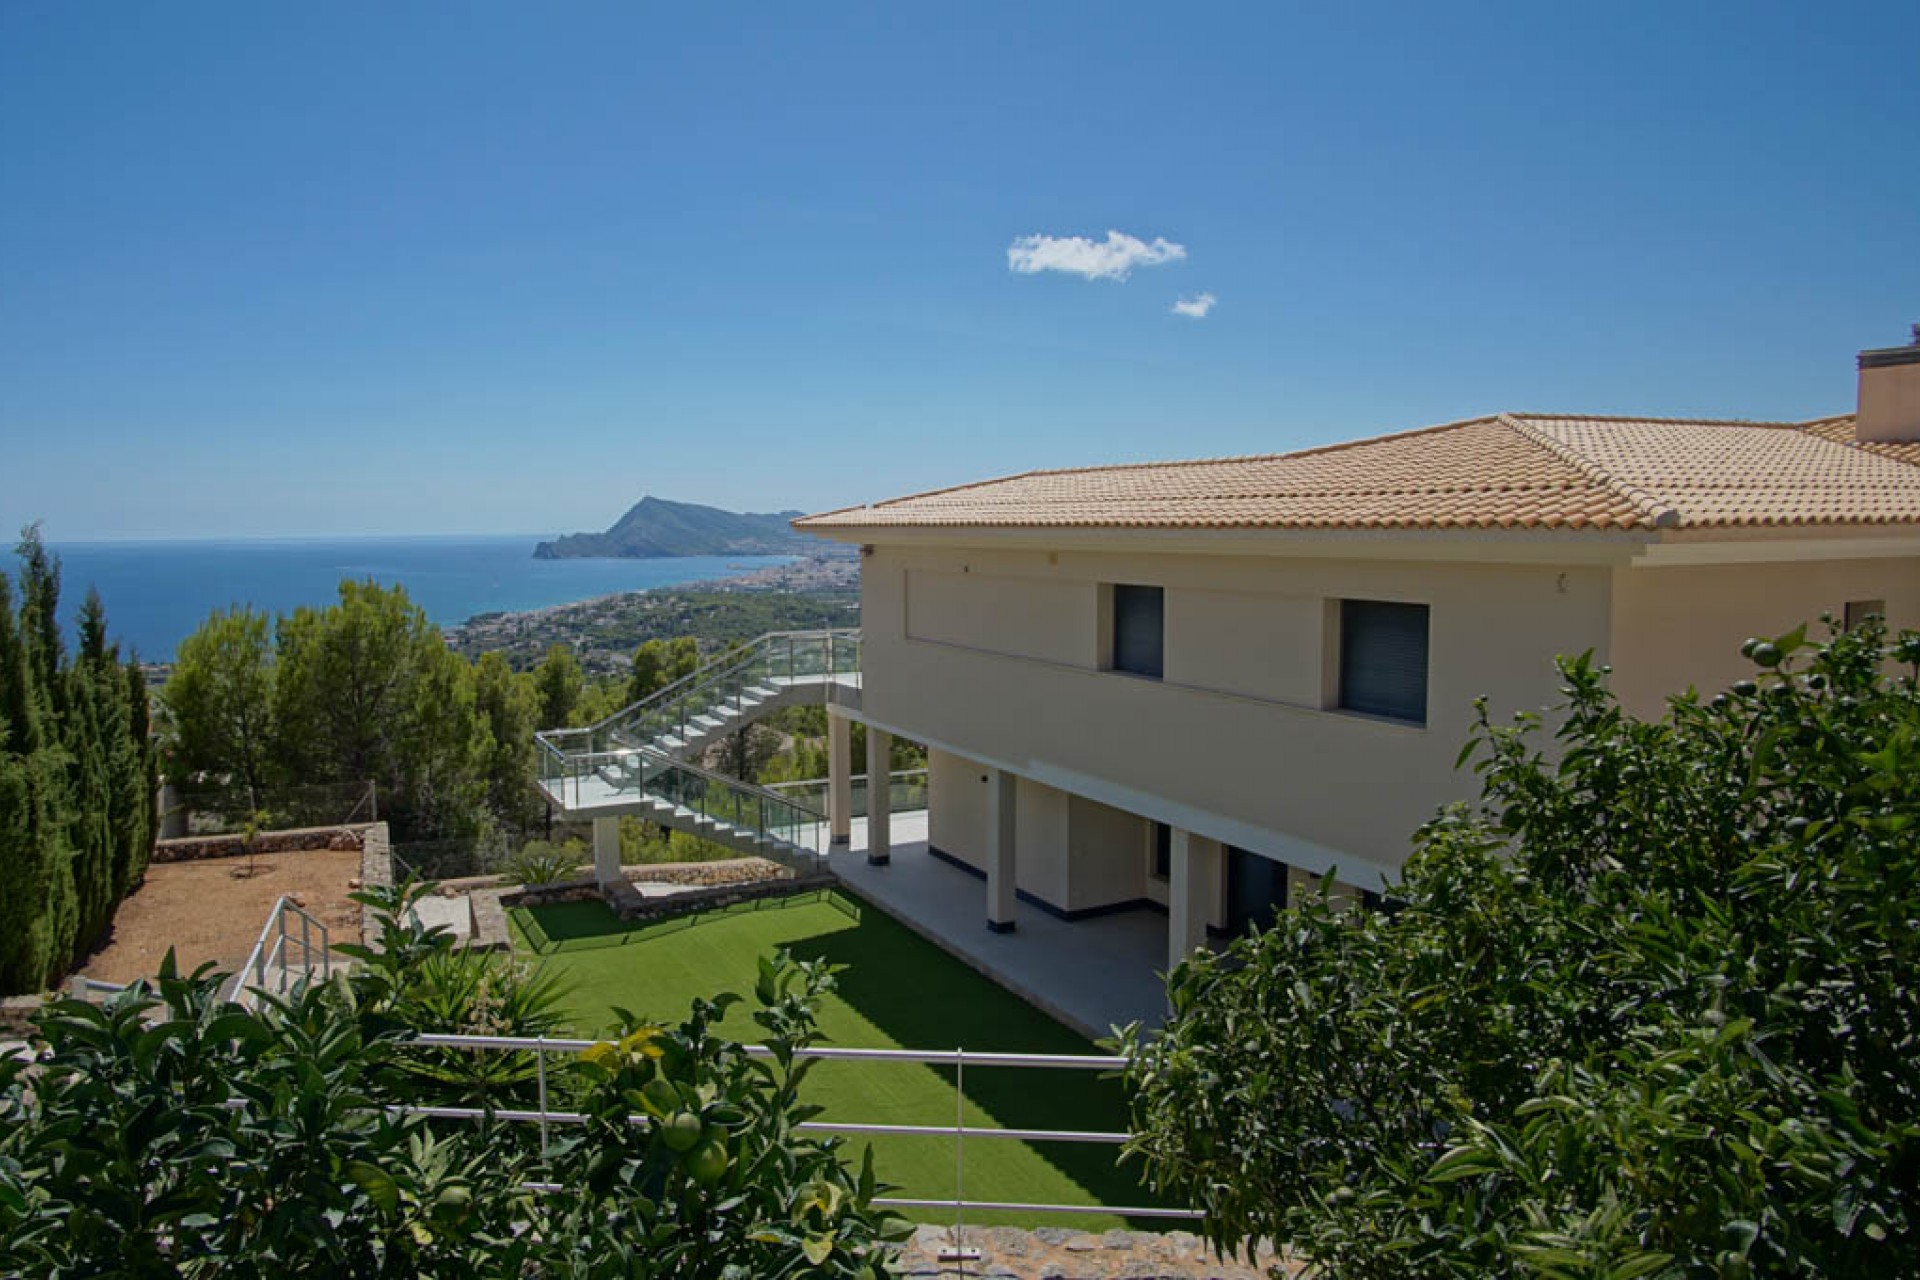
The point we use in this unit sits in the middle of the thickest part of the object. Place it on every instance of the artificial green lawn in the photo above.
(897, 991)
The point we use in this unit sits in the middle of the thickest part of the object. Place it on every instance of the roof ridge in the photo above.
(1769, 423)
(914, 497)
(1658, 514)
(1231, 459)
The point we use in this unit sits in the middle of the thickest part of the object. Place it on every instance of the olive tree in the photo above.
(1651, 1007)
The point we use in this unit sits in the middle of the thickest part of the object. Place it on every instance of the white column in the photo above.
(1192, 893)
(606, 850)
(879, 817)
(1002, 823)
(839, 777)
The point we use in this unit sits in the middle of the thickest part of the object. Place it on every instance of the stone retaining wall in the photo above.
(1061, 1253)
(644, 910)
(233, 845)
(376, 872)
(16, 1014)
(718, 884)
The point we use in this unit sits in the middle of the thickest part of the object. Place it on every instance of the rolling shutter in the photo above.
(1383, 659)
(1139, 630)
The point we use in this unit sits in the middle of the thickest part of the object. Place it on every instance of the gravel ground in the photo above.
(213, 910)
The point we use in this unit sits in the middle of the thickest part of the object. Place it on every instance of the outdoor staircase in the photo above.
(640, 761)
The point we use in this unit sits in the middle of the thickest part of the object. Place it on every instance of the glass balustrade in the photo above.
(619, 755)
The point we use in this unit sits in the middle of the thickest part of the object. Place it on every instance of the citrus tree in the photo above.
(1650, 1008)
(170, 1132)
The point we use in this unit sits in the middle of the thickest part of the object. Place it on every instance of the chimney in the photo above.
(1890, 393)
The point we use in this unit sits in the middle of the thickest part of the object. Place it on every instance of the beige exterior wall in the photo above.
(1681, 627)
(995, 654)
(1070, 852)
(957, 808)
(1107, 853)
(1889, 403)
(957, 824)
(1023, 617)
(1258, 645)
(1040, 847)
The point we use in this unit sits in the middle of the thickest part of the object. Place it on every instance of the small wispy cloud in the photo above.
(1111, 259)
(1195, 307)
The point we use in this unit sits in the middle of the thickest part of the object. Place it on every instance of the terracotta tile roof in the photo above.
(1527, 471)
(1840, 431)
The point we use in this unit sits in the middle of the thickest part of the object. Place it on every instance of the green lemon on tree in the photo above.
(681, 1132)
(707, 1162)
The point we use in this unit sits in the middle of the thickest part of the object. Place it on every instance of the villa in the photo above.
(1198, 687)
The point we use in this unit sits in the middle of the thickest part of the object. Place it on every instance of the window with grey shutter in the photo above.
(1383, 659)
(1139, 630)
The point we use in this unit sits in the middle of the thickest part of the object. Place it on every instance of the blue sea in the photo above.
(158, 593)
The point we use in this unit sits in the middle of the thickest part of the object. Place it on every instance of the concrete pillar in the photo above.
(839, 777)
(606, 850)
(173, 814)
(1193, 889)
(1002, 824)
(879, 816)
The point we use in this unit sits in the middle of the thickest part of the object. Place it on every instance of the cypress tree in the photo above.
(23, 931)
(140, 733)
(76, 777)
(40, 619)
(90, 762)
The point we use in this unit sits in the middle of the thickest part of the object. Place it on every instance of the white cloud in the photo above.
(1195, 307)
(1111, 259)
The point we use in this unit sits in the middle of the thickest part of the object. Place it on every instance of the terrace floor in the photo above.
(1092, 974)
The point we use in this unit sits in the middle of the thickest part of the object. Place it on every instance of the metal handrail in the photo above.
(731, 661)
(959, 1059)
(264, 957)
(588, 759)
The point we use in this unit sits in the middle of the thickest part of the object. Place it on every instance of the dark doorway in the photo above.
(1256, 890)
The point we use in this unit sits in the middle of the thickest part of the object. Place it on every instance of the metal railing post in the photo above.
(959, 1143)
(957, 1250)
(306, 944)
(540, 1068)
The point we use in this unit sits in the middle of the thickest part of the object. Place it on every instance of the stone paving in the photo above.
(1060, 1253)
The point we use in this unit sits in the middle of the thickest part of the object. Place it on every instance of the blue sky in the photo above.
(275, 269)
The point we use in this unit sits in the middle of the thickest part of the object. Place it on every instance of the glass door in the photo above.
(1256, 890)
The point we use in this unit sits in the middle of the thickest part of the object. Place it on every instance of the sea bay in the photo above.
(156, 593)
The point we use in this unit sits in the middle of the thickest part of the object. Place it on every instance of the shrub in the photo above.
(417, 981)
(171, 1133)
(719, 1180)
(1649, 1009)
(540, 862)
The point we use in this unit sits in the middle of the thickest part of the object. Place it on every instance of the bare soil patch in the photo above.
(213, 910)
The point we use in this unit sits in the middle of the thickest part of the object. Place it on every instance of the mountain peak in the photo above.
(657, 527)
